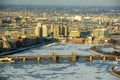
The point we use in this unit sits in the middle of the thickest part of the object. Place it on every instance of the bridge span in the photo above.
(55, 58)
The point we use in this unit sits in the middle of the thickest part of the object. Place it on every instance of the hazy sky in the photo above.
(63, 2)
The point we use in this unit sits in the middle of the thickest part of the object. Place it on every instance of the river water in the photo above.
(95, 70)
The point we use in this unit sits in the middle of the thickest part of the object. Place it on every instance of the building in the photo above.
(11, 33)
(38, 30)
(64, 31)
(44, 15)
(76, 40)
(39, 24)
(1, 44)
(8, 43)
(28, 31)
(100, 33)
(79, 18)
(45, 30)
(56, 31)
(84, 34)
(52, 28)
(0, 22)
(74, 34)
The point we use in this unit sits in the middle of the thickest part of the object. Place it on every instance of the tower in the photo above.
(56, 31)
(38, 30)
(45, 30)
(65, 31)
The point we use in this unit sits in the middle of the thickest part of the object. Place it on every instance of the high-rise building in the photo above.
(0, 22)
(52, 28)
(61, 30)
(56, 30)
(45, 30)
(38, 30)
(64, 30)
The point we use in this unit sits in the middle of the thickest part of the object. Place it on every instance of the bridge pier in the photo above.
(73, 57)
(117, 59)
(24, 59)
(90, 58)
(103, 58)
(38, 59)
(54, 57)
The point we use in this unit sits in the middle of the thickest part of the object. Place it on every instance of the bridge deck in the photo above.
(55, 57)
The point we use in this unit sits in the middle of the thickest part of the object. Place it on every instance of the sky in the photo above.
(63, 2)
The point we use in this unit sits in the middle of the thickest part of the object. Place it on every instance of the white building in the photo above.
(79, 18)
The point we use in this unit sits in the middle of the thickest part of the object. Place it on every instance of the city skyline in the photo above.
(62, 2)
(59, 40)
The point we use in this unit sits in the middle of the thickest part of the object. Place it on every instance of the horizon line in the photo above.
(59, 5)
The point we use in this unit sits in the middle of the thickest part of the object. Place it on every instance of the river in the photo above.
(95, 70)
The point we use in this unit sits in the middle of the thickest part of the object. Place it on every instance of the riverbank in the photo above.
(94, 49)
(114, 71)
(26, 48)
(21, 49)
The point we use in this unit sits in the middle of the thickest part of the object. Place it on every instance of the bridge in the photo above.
(55, 58)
